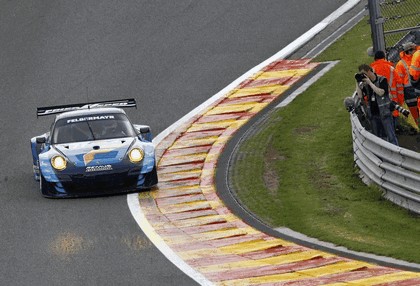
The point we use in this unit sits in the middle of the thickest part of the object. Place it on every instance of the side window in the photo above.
(48, 135)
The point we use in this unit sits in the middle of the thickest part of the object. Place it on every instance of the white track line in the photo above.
(133, 200)
(287, 51)
(325, 43)
(307, 84)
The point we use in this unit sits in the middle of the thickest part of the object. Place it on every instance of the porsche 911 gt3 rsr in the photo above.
(93, 149)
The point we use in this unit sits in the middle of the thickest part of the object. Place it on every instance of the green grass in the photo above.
(298, 171)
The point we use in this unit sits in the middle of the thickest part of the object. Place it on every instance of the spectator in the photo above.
(385, 68)
(375, 88)
(404, 87)
(415, 77)
(415, 67)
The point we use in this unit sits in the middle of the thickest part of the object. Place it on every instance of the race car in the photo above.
(93, 149)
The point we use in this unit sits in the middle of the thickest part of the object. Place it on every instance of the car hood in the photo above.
(96, 152)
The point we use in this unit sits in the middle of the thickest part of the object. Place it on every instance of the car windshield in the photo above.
(92, 127)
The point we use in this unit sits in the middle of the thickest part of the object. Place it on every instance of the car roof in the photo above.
(92, 111)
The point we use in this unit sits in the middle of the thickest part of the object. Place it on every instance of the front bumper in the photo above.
(98, 183)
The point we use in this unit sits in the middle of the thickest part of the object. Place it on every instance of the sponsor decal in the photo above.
(90, 118)
(57, 110)
(107, 104)
(90, 156)
(92, 105)
(98, 168)
(42, 111)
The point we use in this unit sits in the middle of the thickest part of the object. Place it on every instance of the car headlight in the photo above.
(59, 163)
(136, 155)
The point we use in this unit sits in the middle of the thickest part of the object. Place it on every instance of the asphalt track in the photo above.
(187, 216)
(171, 56)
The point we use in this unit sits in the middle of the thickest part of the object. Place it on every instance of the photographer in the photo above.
(375, 90)
(386, 69)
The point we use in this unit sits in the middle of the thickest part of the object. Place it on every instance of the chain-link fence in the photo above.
(393, 23)
(401, 24)
(400, 17)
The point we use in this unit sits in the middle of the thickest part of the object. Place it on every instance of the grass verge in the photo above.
(298, 171)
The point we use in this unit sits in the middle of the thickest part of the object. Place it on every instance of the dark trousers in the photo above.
(384, 128)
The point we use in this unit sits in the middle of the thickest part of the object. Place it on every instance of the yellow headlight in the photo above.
(136, 155)
(59, 163)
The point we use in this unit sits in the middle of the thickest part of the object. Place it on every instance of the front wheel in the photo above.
(151, 178)
(41, 183)
(43, 186)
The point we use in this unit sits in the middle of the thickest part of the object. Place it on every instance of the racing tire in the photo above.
(154, 176)
(151, 179)
(41, 183)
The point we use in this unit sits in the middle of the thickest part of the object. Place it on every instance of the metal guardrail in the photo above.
(395, 169)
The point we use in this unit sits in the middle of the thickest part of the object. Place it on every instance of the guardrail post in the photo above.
(376, 24)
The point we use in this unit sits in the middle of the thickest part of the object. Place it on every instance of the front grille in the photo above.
(101, 183)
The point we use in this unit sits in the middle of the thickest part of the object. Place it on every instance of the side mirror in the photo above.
(144, 132)
(144, 129)
(40, 140)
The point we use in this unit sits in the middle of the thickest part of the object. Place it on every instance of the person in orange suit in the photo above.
(415, 66)
(415, 76)
(403, 83)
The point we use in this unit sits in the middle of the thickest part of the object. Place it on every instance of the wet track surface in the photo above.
(170, 56)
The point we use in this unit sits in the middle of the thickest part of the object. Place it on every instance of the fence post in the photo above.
(376, 24)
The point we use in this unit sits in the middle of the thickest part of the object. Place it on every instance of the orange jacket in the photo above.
(401, 73)
(415, 66)
(401, 69)
(386, 69)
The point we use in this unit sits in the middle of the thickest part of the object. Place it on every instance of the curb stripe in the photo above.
(229, 252)
(139, 216)
(166, 233)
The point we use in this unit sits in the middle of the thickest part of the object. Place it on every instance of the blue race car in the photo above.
(93, 149)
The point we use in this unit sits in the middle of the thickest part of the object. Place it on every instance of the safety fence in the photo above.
(393, 23)
(395, 169)
(400, 17)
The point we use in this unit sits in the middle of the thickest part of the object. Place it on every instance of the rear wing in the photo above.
(121, 103)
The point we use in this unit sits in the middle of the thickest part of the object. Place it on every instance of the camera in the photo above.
(395, 106)
(359, 77)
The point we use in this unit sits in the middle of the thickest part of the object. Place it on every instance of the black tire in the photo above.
(151, 179)
(43, 187)
(42, 183)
